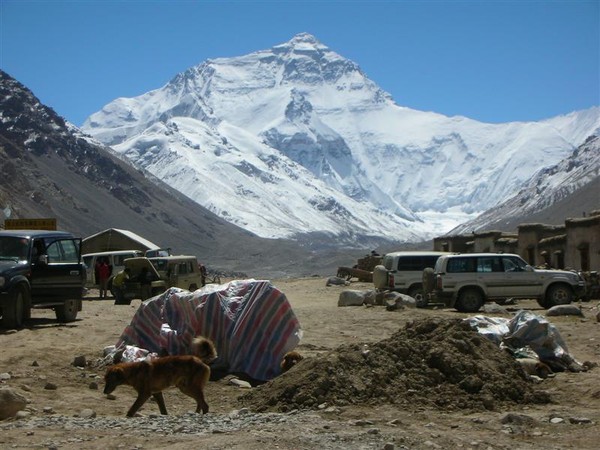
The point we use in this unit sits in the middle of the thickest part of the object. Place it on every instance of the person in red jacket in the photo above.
(104, 270)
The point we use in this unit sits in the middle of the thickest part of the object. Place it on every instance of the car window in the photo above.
(489, 264)
(513, 264)
(64, 251)
(459, 265)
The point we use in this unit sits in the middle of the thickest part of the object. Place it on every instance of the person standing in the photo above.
(103, 276)
(119, 286)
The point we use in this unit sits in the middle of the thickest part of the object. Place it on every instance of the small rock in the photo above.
(4, 376)
(87, 413)
(362, 422)
(240, 383)
(93, 385)
(557, 420)
(111, 396)
(48, 409)
(373, 431)
(26, 387)
(35, 364)
(50, 386)
(517, 419)
(389, 446)
(565, 310)
(579, 420)
(22, 415)
(79, 361)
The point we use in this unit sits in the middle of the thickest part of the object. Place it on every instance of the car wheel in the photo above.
(558, 294)
(67, 312)
(13, 313)
(469, 300)
(417, 293)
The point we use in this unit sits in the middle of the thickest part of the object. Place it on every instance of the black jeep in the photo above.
(39, 269)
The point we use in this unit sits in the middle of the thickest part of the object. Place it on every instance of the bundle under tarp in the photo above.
(250, 322)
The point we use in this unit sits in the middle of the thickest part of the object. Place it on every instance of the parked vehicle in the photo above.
(115, 260)
(403, 272)
(39, 269)
(166, 272)
(467, 281)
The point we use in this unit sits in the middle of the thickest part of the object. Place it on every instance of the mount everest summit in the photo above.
(296, 140)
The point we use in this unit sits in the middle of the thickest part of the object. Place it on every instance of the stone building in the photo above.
(529, 237)
(583, 242)
(460, 243)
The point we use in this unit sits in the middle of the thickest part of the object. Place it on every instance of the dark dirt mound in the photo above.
(429, 363)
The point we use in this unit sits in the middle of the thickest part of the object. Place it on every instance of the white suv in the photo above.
(467, 281)
(403, 272)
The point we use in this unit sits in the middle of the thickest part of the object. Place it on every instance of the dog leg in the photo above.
(141, 399)
(161, 403)
(201, 404)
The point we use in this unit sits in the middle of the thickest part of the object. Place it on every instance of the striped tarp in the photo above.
(250, 322)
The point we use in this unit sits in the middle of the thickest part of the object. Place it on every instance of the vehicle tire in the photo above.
(558, 294)
(193, 287)
(380, 277)
(13, 314)
(67, 312)
(417, 293)
(469, 300)
(428, 280)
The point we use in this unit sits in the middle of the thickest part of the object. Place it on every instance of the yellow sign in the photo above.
(30, 224)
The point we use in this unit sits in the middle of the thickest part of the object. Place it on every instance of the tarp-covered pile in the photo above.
(528, 333)
(250, 322)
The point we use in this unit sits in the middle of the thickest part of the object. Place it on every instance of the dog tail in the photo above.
(204, 349)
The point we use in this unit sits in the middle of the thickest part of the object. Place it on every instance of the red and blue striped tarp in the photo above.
(250, 322)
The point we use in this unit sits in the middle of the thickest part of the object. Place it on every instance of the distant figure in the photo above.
(119, 285)
(203, 273)
(103, 272)
(146, 278)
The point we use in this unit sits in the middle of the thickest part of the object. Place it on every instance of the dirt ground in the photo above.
(347, 392)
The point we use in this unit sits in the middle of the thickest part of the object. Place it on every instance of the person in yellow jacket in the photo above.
(118, 285)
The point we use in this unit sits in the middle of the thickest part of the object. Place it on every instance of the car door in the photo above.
(62, 276)
(519, 281)
(491, 275)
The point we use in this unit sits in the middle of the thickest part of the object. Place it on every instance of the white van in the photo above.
(403, 272)
(115, 260)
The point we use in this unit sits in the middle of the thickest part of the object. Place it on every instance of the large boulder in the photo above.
(11, 402)
(351, 297)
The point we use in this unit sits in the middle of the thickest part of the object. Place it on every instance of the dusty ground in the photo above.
(408, 416)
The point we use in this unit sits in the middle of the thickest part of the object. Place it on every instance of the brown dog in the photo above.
(150, 378)
(290, 359)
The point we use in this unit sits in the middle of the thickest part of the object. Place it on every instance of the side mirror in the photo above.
(528, 268)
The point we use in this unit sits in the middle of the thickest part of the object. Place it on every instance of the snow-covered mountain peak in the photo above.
(296, 139)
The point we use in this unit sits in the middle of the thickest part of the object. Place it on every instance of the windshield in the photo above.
(14, 248)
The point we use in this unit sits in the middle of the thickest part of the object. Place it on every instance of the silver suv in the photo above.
(467, 281)
(164, 272)
(403, 272)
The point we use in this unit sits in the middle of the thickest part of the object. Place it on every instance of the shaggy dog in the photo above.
(150, 378)
(290, 359)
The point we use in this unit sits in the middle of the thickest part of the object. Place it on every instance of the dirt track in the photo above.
(44, 351)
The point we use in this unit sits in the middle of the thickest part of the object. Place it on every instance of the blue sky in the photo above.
(492, 61)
